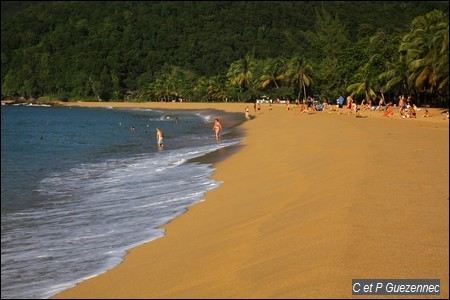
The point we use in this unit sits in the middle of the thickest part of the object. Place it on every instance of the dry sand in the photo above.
(308, 203)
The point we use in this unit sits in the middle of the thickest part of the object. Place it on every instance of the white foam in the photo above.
(116, 204)
(206, 117)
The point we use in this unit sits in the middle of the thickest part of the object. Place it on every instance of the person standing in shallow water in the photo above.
(217, 128)
(159, 137)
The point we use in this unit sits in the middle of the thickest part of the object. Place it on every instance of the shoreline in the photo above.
(230, 119)
(303, 198)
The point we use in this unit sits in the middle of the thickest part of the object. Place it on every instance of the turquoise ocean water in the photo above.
(79, 188)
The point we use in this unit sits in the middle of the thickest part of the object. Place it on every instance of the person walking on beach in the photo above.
(159, 137)
(217, 128)
(247, 113)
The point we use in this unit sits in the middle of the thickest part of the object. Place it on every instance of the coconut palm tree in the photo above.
(216, 88)
(395, 77)
(274, 73)
(200, 89)
(299, 70)
(364, 86)
(240, 72)
(426, 51)
(442, 69)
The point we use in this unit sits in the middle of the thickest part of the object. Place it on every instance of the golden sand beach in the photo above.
(308, 203)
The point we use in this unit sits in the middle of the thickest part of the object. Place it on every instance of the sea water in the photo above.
(79, 188)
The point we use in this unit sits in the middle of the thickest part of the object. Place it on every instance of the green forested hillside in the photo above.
(217, 50)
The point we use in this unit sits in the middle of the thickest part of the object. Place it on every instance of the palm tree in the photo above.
(299, 70)
(274, 73)
(240, 72)
(426, 51)
(364, 86)
(200, 89)
(216, 88)
(395, 77)
(441, 78)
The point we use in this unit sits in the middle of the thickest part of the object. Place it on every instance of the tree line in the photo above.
(225, 50)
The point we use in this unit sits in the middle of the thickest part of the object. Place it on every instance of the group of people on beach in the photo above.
(406, 108)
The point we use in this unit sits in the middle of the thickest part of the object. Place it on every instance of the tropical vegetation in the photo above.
(225, 50)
